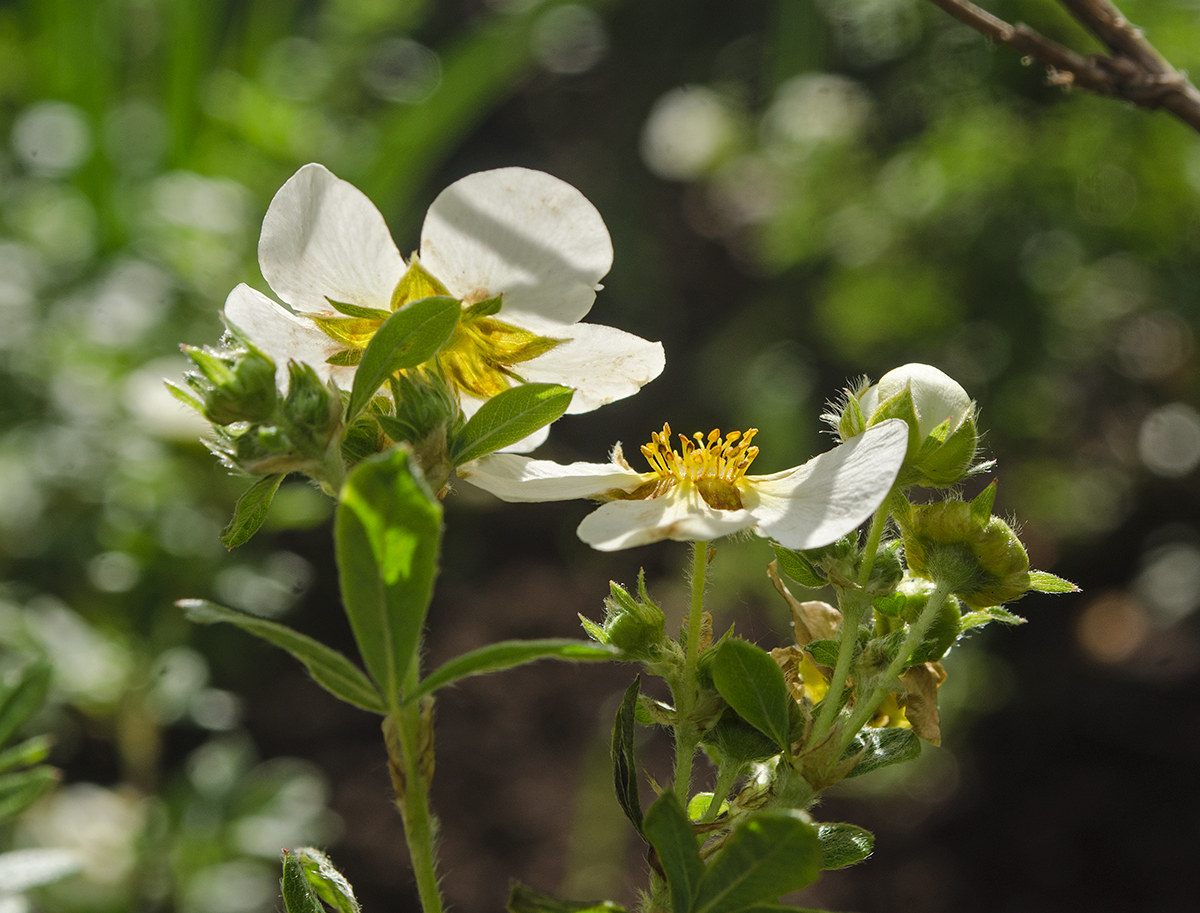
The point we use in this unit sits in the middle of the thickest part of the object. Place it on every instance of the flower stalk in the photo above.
(687, 733)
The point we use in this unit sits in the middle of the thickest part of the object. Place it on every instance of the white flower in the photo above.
(702, 492)
(936, 397)
(523, 237)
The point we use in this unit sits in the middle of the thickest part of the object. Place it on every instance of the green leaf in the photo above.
(844, 844)
(522, 899)
(21, 870)
(31, 751)
(330, 884)
(668, 831)
(251, 511)
(24, 699)
(387, 537)
(356, 310)
(993, 613)
(881, 748)
(1043, 582)
(329, 668)
(737, 741)
(625, 773)
(298, 894)
(752, 682)
(768, 854)
(798, 567)
(509, 653)
(408, 337)
(508, 417)
(824, 652)
(20, 790)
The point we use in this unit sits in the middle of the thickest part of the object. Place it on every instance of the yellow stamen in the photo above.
(712, 458)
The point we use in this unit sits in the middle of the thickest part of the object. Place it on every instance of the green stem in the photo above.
(687, 735)
(865, 709)
(409, 737)
(873, 537)
(725, 777)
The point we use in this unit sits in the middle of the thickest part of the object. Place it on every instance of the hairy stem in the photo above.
(687, 735)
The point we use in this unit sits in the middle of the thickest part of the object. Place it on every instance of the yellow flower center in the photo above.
(477, 358)
(713, 464)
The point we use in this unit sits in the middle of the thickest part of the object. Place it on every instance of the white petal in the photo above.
(603, 364)
(936, 396)
(680, 514)
(831, 494)
(322, 238)
(282, 335)
(518, 478)
(524, 234)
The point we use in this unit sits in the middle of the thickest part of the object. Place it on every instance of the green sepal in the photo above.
(509, 653)
(488, 308)
(22, 700)
(346, 358)
(624, 761)
(983, 617)
(667, 829)
(880, 748)
(329, 668)
(31, 751)
(415, 284)
(851, 423)
(353, 332)
(753, 684)
(799, 568)
(768, 854)
(509, 417)
(21, 789)
(981, 504)
(843, 845)
(251, 511)
(183, 396)
(408, 337)
(399, 431)
(355, 310)
(298, 895)
(522, 899)
(1043, 582)
(328, 883)
(901, 406)
(595, 631)
(891, 605)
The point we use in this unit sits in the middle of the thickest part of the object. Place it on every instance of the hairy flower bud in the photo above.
(635, 626)
(234, 384)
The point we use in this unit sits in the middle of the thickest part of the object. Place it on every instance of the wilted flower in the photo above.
(702, 492)
(523, 252)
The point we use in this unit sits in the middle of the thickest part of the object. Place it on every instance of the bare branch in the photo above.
(1135, 70)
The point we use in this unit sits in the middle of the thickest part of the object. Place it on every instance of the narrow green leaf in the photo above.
(508, 417)
(509, 653)
(21, 870)
(20, 790)
(387, 538)
(408, 337)
(31, 751)
(251, 511)
(798, 567)
(329, 668)
(24, 699)
(768, 854)
(1043, 582)
(522, 899)
(881, 748)
(752, 682)
(625, 773)
(330, 884)
(668, 831)
(298, 894)
(844, 844)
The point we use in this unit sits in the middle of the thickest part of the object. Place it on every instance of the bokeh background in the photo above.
(799, 192)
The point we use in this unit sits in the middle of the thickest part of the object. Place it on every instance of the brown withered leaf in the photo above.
(788, 660)
(921, 685)
(811, 619)
(706, 631)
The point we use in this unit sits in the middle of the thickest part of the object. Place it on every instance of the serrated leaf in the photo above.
(843, 845)
(20, 790)
(508, 417)
(767, 855)
(21, 701)
(798, 567)
(387, 536)
(250, 511)
(522, 899)
(509, 653)
(21, 870)
(31, 751)
(330, 884)
(625, 773)
(1043, 582)
(881, 748)
(408, 337)
(329, 668)
(752, 682)
(668, 831)
(298, 894)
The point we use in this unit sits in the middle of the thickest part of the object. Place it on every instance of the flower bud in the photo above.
(235, 384)
(635, 626)
(311, 411)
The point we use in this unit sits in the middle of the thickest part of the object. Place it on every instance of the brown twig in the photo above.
(1134, 70)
